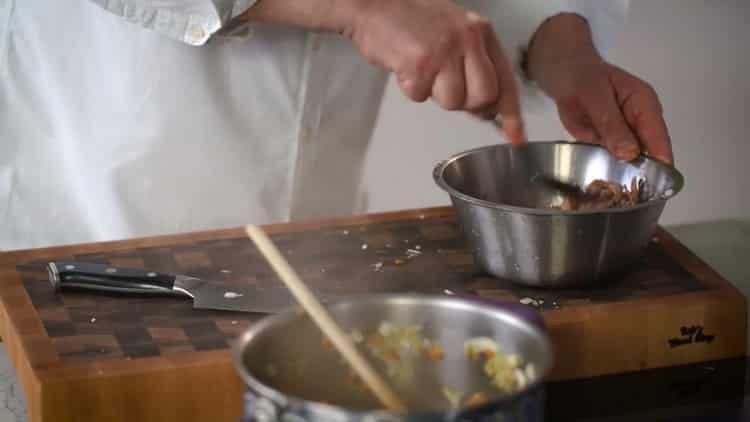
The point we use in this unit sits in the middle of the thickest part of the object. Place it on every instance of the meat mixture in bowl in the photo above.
(601, 195)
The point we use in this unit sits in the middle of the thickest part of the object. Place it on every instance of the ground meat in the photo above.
(600, 195)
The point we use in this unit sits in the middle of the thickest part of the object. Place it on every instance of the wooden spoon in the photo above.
(325, 322)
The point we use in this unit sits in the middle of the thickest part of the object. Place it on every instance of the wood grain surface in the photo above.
(90, 356)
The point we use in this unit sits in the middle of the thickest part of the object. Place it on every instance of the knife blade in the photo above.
(204, 293)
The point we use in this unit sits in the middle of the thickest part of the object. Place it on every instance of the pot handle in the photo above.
(525, 312)
(437, 170)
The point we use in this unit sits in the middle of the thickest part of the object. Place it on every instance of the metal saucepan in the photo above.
(516, 235)
(292, 375)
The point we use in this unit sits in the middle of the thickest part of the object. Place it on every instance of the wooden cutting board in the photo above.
(92, 357)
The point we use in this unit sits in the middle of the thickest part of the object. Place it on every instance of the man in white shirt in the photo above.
(125, 118)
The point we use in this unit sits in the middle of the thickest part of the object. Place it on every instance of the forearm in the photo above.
(327, 15)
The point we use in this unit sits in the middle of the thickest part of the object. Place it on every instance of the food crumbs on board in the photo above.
(234, 322)
(655, 239)
(226, 271)
(411, 253)
(345, 232)
(93, 320)
(377, 266)
(421, 216)
(399, 261)
(232, 295)
(418, 247)
(364, 246)
(322, 270)
(529, 301)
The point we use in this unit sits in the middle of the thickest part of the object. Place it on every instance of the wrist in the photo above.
(326, 15)
(343, 15)
(561, 42)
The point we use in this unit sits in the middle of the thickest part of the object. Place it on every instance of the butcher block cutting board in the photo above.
(94, 357)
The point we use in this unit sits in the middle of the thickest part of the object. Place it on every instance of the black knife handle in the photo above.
(106, 278)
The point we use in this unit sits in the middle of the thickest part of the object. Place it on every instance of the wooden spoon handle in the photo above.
(324, 321)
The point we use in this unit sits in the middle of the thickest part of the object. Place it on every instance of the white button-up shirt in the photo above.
(130, 118)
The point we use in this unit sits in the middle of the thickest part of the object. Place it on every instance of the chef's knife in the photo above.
(205, 294)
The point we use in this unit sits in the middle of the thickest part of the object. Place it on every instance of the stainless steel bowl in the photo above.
(515, 235)
(290, 375)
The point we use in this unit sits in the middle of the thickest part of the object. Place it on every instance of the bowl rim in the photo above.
(289, 401)
(439, 170)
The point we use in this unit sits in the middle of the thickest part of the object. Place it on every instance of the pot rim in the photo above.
(288, 401)
(439, 170)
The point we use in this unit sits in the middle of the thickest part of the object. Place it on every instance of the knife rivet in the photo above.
(151, 275)
(70, 267)
(111, 270)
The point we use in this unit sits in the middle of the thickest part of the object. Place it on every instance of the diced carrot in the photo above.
(436, 353)
(391, 354)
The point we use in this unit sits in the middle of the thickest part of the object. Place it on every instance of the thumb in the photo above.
(612, 128)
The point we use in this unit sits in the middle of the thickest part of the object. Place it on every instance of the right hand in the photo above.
(439, 50)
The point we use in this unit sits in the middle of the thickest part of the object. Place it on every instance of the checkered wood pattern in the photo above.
(420, 255)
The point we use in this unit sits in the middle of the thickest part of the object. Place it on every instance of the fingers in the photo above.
(449, 90)
(643, 112)
(482, 83)
(462, 67)
(610, 125)
(652, 131)
(507, 104)
(416, 89)
(416, 80)
(576, 122)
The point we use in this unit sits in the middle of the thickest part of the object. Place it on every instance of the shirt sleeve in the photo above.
(516, 21)
(193, 22)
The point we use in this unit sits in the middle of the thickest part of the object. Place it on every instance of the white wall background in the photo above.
(695, 53)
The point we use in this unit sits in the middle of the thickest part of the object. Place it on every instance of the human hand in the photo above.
(597, 101)
(439, 50)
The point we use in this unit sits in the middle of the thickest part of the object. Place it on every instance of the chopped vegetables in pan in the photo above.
(399, 347)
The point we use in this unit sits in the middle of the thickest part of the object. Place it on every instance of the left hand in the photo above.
(597, 101)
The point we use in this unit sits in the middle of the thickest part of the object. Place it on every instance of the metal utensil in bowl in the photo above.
(291, 375)
(516, 234)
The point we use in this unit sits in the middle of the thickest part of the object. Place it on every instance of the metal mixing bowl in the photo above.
(515, 235)
(290, 375)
